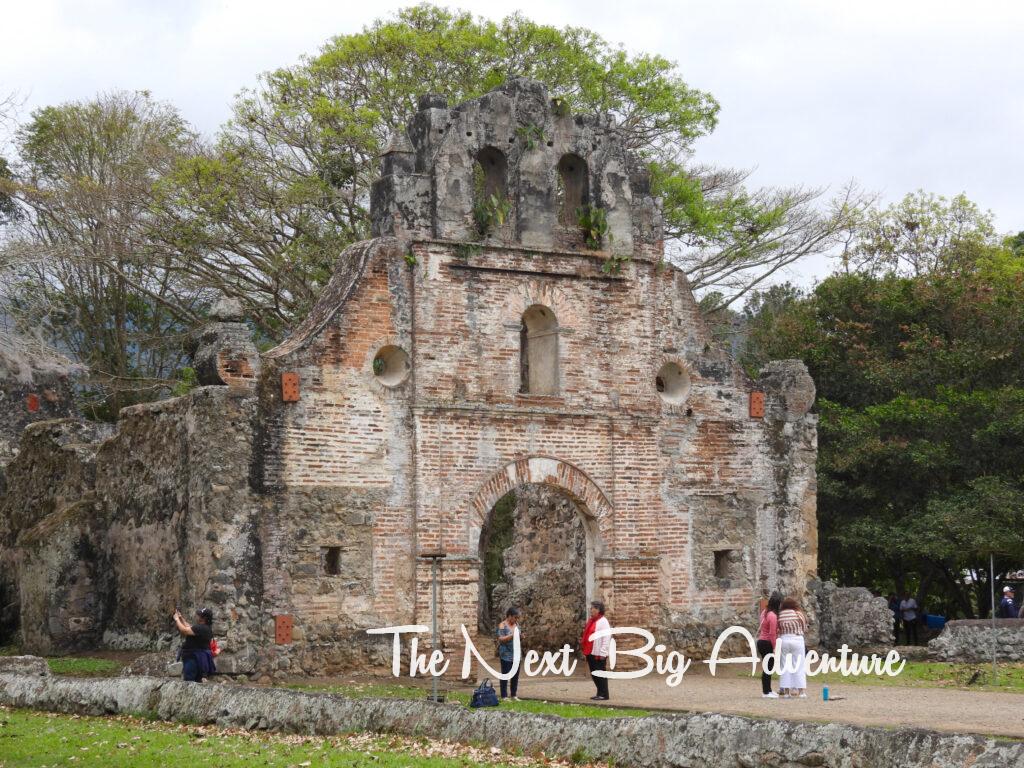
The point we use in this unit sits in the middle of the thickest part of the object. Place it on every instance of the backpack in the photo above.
(484, 696)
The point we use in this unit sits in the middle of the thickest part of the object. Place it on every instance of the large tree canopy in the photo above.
(82, 269)
(264, 213)
(921, 394)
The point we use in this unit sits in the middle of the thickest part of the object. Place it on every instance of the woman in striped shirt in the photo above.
(792, 626)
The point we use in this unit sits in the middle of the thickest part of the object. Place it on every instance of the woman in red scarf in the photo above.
(596, 649)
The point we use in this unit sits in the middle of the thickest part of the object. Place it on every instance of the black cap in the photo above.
(207, 615)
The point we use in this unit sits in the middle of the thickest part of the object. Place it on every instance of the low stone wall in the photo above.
(850, 615)
(971, 641)
(664, 741)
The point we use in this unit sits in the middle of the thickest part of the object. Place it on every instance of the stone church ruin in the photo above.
(510, 344)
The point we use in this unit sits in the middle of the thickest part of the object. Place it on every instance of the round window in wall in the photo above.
(672, 383)
(391, 366)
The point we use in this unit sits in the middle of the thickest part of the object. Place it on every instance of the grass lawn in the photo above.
(936, 674)
(38, 739)
(84, 666)
(398, 691)
(74, 666)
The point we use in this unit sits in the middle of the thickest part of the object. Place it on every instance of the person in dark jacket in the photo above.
(1008, 608)
(894, 606)
(196, 657)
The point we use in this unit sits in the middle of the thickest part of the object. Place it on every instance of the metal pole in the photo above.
(433, 622)
(992, 585)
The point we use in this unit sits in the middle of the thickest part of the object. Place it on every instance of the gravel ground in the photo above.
(933, 708)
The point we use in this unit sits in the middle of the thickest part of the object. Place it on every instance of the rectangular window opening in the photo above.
(724, 559)
(331, 557)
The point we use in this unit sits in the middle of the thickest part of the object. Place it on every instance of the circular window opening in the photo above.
(672, 383)
(391, 366)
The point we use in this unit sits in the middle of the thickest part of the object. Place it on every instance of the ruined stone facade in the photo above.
(484, 340)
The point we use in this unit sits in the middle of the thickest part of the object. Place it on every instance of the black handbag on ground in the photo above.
(484, 696)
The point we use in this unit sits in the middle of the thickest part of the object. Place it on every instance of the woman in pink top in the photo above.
(767, 632)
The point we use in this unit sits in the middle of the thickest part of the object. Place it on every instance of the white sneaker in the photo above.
(516, 698)
(772, 695)
(803, 695)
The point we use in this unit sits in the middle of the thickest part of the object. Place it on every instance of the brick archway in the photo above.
(590, 501)
(544, 470)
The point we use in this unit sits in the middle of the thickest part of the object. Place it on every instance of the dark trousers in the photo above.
(598, 665)
(190, 672)
(506, 667)
(764, 648)
(910, 628)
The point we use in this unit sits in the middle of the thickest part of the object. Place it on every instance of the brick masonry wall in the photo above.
(674, 483)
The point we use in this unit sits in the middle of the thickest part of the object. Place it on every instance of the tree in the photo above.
(923, 233)
(83, 267)
(266, 210)
(920, 385)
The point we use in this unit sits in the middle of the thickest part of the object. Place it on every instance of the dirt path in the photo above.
(933, 708)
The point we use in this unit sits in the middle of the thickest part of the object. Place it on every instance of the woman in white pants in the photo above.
(792, 627)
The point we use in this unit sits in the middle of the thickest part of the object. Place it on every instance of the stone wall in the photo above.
(851, 615)
(545, 569)
(35, 385)
(108, 533)
(971, 640)
(306, 490)
(660, 741)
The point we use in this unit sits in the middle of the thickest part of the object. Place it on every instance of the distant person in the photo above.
(792, 628)
(894, 606)
(506, 652)
(767, 634)
(596, 650)
(908, 613)
(1008, 608)
(196, 657)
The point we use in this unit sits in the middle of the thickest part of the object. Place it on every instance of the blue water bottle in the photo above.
(824, 693)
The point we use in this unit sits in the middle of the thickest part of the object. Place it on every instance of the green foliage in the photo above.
(10, 212)
(378, 366)
(498, 538)
(187, 381)
(580, 756)
(923, 234)
(531, 135)
(466, 251)
(410, 258)
(268, 232)
(97, 281)
(594, 223)
(490, 213)
(921, 398)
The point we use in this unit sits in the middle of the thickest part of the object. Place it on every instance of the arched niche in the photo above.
(572, 190)
(538, 351)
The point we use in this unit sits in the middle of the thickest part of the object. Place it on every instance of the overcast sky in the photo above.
(898, 95)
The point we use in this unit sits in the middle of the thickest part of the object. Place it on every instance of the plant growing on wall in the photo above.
(378, 366)
(531, 135)
(594, 223)
(490, 212)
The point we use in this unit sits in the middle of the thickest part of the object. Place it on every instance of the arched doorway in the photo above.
(542, 522)
(534, 555)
